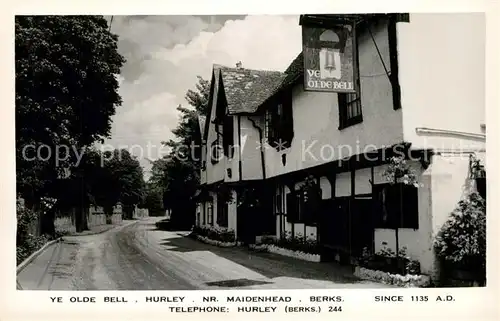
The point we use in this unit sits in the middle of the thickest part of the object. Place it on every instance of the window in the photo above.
(278, 122)
(396, 206)
(210, 214)
(292, 208)
(273, 123)
(267, 125)
(481, 186)
(222, 219)
(203, 156)
(350, 112)
(215, 148)
(228, 139)
(303, 207)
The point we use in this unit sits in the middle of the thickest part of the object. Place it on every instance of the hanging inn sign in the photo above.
(328, 49)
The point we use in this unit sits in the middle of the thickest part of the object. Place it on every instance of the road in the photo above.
(138, 256)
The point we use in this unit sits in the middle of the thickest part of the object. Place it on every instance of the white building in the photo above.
(421, 94)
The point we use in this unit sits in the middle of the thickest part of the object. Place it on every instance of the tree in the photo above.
(124, 182)
(153, 200)
(66, 93)
(178, 172)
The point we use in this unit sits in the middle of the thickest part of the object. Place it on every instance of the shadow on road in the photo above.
(267, 264)
(236, 283)
(164, 225)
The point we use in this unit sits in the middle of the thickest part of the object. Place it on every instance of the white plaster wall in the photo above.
(232, 213)
(214, 208)
(449, 186)
(215, 172)
(316, 116)
(311, 232)
(343, 184)
(442, 76)
(417, 241)
(326, 188)
(251, 156)
(198, 214)
(362, 183)
(233, 163)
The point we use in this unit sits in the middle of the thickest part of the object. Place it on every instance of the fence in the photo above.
(95, 217)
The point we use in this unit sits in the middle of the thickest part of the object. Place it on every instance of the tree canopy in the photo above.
(179, 176)
(66, 93)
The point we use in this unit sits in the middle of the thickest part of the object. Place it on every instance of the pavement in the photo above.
(139, 256)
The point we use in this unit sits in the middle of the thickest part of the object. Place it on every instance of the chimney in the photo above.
(239, 65)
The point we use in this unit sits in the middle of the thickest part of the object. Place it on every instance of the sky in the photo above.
(165, 54)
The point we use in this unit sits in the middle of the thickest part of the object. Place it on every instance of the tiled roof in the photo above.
(294, 71)
(247, 89)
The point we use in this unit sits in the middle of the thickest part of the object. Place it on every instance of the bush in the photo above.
(32, 243)
(386, 260)
(221, 234)
(27, 243)
(461, 241)
(302, 243)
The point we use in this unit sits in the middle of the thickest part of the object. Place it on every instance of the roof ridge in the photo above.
(219, 66)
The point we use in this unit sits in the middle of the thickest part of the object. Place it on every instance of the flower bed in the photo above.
(215, 242)
(295, 254)
(213, 235)
(408, 281)
(299, 247)
(390, 268)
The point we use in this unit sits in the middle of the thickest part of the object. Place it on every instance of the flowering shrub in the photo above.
(462, 239)
(386, 260)
(399, 171)
(301, 255)
(214, 233)
(300, 242)
(393, 279)
(300, 247)
(225, 194)
(387, 267)
(26, 242)
(249, 197)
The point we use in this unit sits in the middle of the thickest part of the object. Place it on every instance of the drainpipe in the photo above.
(261, 148)
(239, 149)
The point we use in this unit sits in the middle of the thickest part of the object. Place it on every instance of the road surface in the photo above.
(138, 256)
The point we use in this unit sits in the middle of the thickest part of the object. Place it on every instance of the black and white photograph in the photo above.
(250, 152)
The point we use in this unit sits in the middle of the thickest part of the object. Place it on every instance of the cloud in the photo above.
(165, 54)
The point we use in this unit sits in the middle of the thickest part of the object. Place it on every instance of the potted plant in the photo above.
(461, 241)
